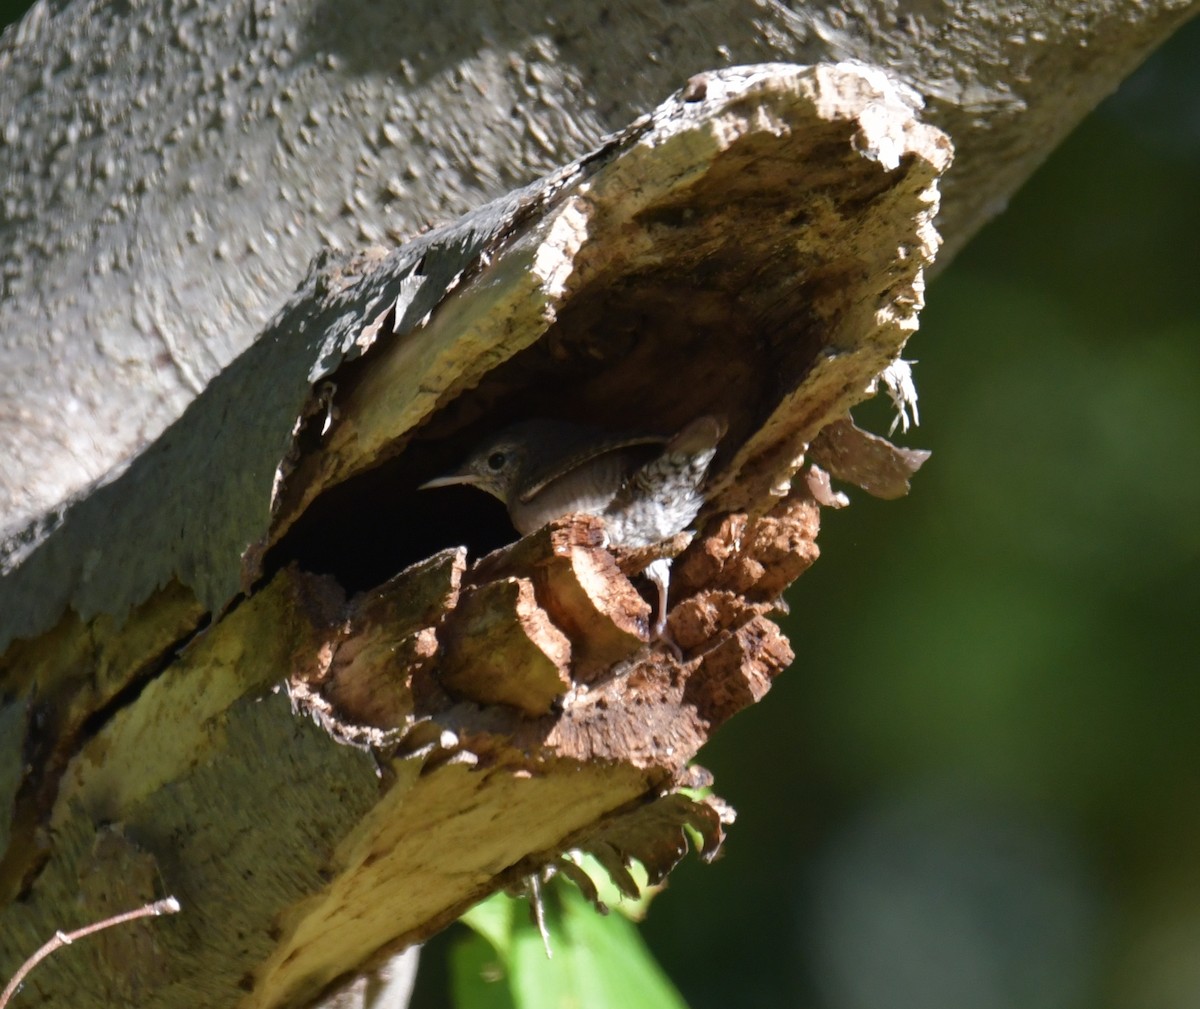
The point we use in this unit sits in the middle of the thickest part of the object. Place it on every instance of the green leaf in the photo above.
(598, 962)
(479, 978)
(493, 920)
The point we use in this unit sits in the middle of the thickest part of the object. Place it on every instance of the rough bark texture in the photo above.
(755, 248)
(168, 170)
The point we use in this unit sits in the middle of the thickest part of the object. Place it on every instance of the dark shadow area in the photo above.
(376, 524)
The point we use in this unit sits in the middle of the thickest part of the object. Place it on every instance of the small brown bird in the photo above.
(647, 488)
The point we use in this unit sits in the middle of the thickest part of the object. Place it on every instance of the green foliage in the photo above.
(598, 961)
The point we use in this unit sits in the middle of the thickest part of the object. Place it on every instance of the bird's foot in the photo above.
(659, 572)
(663, 636)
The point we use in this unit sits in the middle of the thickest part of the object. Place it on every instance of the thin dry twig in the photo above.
(168, 905)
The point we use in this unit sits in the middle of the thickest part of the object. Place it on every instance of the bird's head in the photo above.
(496, 466)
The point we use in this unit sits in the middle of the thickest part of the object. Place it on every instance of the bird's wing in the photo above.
(588, 448)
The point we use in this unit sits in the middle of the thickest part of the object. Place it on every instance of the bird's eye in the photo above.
(496, 461)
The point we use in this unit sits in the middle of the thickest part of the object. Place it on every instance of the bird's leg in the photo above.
(659, 572)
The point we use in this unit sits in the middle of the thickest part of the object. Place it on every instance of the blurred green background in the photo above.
(978, 785)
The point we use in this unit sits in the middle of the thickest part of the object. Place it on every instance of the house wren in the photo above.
(646, 488)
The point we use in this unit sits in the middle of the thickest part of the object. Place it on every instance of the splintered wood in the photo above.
(543, 647)
(506, 650)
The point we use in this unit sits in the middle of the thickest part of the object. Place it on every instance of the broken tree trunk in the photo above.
(260, 671)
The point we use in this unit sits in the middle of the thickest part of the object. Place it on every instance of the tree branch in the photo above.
(754, 248)
(160, 202)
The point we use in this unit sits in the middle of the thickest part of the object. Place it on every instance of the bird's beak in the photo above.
(449, 480)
